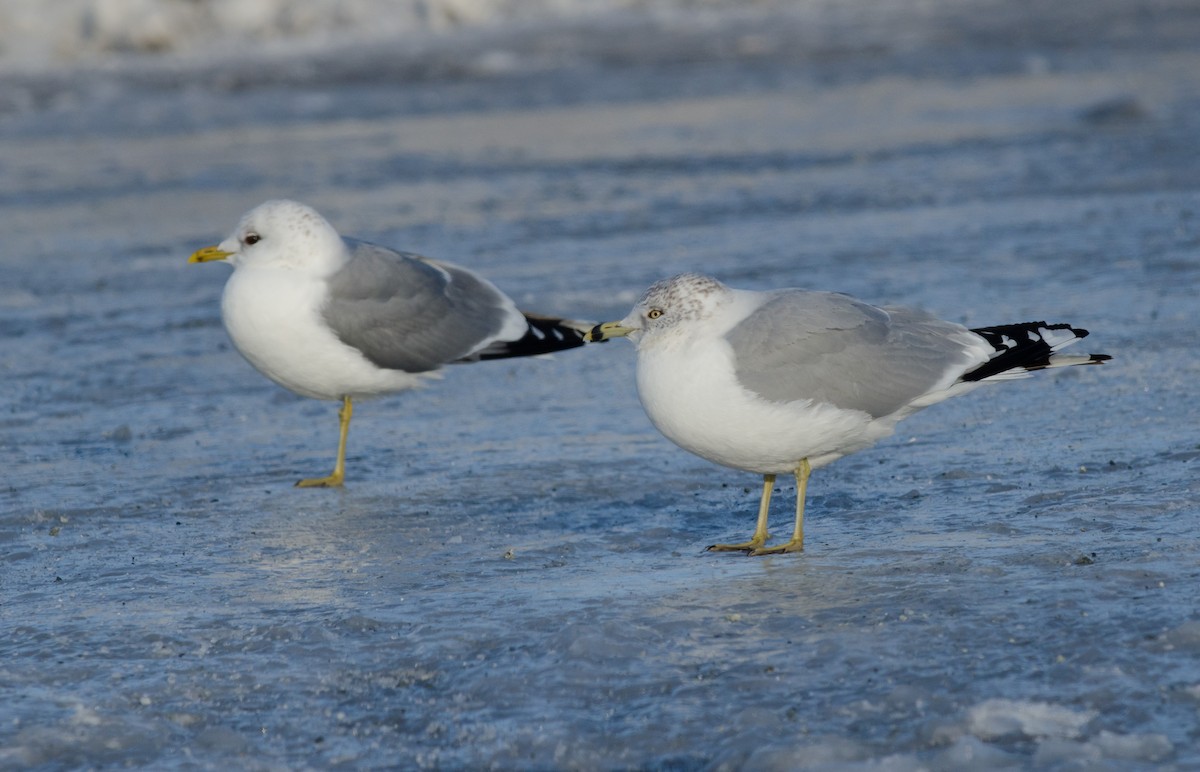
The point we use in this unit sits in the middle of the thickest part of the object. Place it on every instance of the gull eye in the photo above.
(654, 313)
(251, 239)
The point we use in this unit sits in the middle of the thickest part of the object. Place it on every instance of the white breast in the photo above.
(273, 317)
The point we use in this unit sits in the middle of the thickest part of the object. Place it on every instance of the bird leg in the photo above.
(796, 543)
(335, 479)
(760, 529)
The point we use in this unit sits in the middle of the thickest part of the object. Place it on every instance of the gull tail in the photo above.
(545, 335)
(1023, 348)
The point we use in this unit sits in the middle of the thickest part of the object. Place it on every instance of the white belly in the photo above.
(273, 318)
(691, 395)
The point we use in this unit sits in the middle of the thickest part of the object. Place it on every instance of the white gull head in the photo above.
(285, 234)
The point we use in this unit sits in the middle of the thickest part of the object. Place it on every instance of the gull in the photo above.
(787, 381)
(334, 318)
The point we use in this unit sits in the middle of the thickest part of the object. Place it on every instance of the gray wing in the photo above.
(406, 312)
(832, 348)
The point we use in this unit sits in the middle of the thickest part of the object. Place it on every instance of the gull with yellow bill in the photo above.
(788, 381)
(334, 318)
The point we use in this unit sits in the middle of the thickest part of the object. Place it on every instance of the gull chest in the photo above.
(690, 394)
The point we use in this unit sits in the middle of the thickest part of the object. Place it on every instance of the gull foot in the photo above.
(332, 481)
(791, 546)
(746, 546)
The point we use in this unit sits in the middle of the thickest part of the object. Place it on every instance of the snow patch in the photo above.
(36, 36)
(998, 718)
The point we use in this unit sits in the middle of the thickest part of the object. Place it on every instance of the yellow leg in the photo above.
(339, 467)
(796, 544)
(760, 529)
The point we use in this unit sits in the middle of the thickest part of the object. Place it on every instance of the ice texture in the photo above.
(514, 575)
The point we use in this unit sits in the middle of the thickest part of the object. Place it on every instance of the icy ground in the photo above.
(513, 577)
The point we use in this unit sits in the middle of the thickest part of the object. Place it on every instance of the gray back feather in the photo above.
(832, 348)
(407, 312)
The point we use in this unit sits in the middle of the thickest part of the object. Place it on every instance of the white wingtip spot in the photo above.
(1056, 339)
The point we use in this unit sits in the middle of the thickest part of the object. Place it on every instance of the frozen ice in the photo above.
(997, 718)
(520, 582)
(39, 35)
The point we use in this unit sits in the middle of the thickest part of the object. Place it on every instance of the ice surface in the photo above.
(514, 576)
(36, 35)
(993, 719)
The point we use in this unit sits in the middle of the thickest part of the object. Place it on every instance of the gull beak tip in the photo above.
(606, 331)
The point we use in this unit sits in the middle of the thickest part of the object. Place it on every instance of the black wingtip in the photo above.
(1024, 347)
(545, 335)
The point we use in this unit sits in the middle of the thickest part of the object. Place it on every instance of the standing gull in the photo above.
(333, 318)
(788, 381)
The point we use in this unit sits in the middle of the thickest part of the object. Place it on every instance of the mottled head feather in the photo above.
(688, 296)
